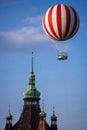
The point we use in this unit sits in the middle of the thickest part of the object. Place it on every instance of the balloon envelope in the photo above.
(60, 22)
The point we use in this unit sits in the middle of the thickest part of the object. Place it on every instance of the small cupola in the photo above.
(53, 118)
(42, 114)
(9, 117)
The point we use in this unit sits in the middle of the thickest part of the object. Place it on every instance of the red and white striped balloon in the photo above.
(60, 22)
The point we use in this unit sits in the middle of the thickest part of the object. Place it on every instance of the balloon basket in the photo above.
(62, 56)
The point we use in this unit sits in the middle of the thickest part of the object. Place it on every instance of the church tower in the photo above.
(32, 117)
(29, 118)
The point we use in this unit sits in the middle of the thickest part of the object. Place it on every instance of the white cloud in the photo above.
(24, 38)
(25, 35)
(33, 19)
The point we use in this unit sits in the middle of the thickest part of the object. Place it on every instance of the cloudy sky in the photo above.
(61, 83)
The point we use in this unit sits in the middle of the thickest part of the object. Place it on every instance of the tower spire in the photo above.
(53, 117)
(43, 106)
(53, 110)
(32, 76)
(9, 116)
(9, 109)
(32, 63)
(31, 91)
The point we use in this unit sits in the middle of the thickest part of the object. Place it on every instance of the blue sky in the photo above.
(61, 83)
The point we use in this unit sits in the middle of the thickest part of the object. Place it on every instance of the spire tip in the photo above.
(32, 52)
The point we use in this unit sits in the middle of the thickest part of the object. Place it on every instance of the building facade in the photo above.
(32, 117)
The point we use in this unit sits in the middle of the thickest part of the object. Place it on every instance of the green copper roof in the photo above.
(53, 117)
(31, 91)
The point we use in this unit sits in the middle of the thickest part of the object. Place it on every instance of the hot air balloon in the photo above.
(60, 22)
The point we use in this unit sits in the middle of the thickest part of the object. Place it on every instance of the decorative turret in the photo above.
(42, 122)
(31, 94)
(42, 114)
(8, 120)
(53, 121)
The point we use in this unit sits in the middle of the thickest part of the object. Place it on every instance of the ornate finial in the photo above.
(53, 110)
(9, 108)
(32, 63)
(42, 105)
(32, 52)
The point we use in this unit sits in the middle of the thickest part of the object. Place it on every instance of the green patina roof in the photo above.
(31, 91)
(53, 117)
